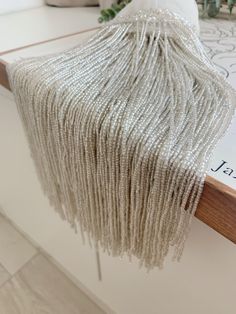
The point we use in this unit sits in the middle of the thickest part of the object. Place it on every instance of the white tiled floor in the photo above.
(4, 275)
(15, 251)
(30, 283)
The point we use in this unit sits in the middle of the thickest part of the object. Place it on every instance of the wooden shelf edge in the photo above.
(217, 207)
(3, 75)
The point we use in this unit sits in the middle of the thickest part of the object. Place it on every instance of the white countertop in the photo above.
(36, 25)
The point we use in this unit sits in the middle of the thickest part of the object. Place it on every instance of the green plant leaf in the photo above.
(109, 13)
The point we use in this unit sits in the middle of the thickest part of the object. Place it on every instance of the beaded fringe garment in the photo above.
(121, 130)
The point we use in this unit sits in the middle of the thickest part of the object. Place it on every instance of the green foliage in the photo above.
(231, 4)
(212, 7)
(109, 13)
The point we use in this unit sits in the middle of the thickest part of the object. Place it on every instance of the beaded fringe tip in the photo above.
(121, 130)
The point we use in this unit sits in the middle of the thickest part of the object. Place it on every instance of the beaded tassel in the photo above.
(121, 130)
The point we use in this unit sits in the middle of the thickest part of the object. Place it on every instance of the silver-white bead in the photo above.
(121, 130)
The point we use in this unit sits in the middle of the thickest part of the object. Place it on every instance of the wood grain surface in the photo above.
(3, 75)
(217, 208)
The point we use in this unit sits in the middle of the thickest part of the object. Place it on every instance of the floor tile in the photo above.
(15, 250)
(40, 287)
(4, 275)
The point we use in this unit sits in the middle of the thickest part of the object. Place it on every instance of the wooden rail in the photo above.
(217, 207)
(3, 75)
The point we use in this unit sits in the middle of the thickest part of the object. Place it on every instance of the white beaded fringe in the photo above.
(121, 130)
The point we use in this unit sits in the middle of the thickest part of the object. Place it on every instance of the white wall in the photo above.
(7, 6)
(203, 283)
